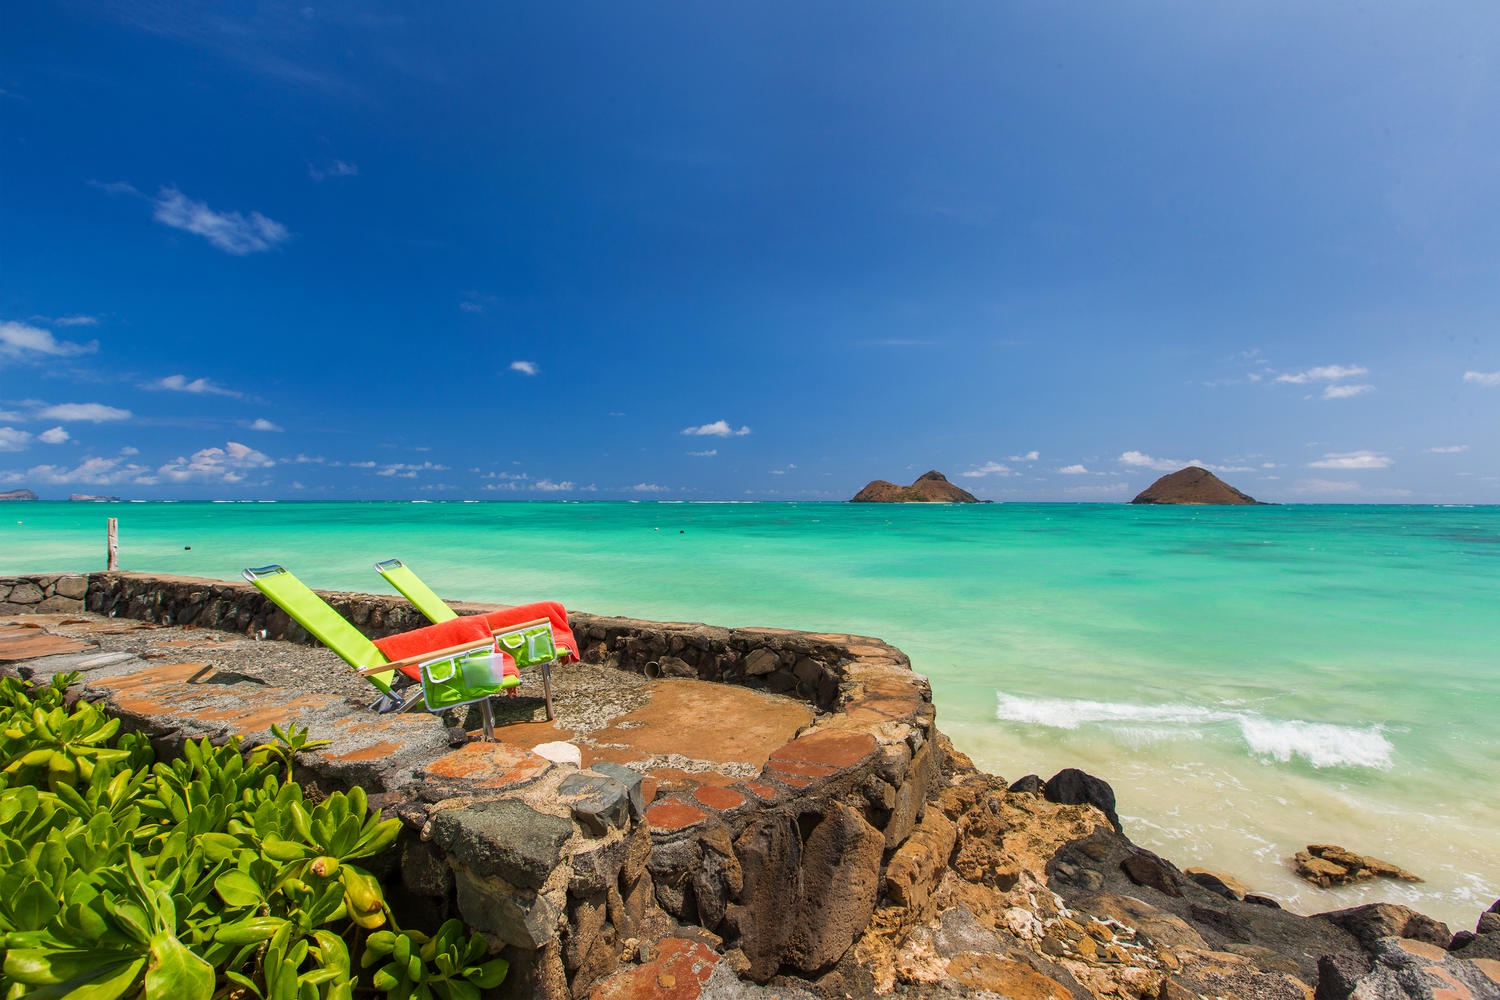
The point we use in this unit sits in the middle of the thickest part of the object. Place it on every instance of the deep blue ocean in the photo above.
(1249, 679)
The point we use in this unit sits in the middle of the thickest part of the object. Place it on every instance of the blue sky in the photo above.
(749, 251)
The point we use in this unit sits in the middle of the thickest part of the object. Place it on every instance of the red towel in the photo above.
(562, 634)
(431, 638)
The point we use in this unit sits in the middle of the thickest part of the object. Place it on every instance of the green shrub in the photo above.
(206, 876)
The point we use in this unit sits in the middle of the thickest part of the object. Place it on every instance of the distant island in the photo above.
(930, 488)
(90, 498)
(1192, 485)
(18, 495)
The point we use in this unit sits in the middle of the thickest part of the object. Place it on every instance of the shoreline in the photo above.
(1078, 877)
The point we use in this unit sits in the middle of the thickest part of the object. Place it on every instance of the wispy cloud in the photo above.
(197, 386)
(719, 428)
(1447, 449)
(94, 413)
(231, 232)
(224, 465)
(23, 341)
(1325, 373)
(1140, 460)
(92, 472)
(55, 435)
(710, 453)
(1073, 470)
(12, 439)
(1352, 460)
(338, 168)
(1030, 456)
(1487, 379)
(648, 488)
(262, 424)
(1335, 376)
(524, 367)
(403, 470)
(77, 321)
(989, 469)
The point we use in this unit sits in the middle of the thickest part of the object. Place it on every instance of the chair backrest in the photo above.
(319, 618)
(398, 575)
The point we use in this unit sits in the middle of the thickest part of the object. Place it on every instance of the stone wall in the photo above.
(42, 594)
(572, 870)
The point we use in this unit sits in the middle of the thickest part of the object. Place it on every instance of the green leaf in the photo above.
(102, 982)
(489, 975)
(238, 889)
(176, 973)
(250, 930)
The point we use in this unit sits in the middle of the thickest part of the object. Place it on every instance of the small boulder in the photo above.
(1073, 787)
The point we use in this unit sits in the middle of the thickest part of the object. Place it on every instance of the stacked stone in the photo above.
(60, 593)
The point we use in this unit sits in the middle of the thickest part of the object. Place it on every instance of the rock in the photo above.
(1029, 785)
(840, 885)
(770, 854)
(1147, 869)
(1329, 865)
(1215, 882)
(91, 498)
(1373, 921)
(1406, 970)
(18, 495)
(25, 593)
(505, 838)
(1192, 485)
(932, 487)
(559, 752)
(599, 802)
(1072, 787)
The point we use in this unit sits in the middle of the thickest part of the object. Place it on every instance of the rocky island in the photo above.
(1192, 485)
(18, 495)
(932, 487)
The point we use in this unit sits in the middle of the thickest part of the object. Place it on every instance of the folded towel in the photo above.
(562, 634)
(431, 638)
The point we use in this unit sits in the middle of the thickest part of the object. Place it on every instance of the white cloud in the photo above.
(21, 340)
(338, 168)
(13, 440)
(226, 465)
(229, 231)
(1316, 486)
(548, 486)
(262, 424)
(95, 413)
(1109, 489)
(1352, 460)
(54, 436)
(1325, 373)
(1030, 456)
(1448, 449)
(1141, 460)
(197, 386)
(524, 367)
(710, 453)
(1346, 391)
(1487, 379)
(648, 488)
(719, 428)
(1073, 470)
(401, 470)
(77, 321)
(93, 472)
(989, 469)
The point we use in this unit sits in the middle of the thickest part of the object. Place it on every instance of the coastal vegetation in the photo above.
(210, 875)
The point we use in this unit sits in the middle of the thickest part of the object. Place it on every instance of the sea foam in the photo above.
(1320, 744)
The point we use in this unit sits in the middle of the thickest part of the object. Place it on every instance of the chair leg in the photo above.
(488, 715)
(547, 687)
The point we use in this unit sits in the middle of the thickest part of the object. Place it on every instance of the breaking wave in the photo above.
(1321, 744)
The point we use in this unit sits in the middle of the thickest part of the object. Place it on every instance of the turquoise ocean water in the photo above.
(1250, 680)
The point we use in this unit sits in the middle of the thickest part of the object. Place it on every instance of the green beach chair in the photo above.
(536, 635)
(456, 662)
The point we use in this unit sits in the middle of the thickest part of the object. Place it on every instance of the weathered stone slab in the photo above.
(508, 839)
(599, 802)
(27, 647)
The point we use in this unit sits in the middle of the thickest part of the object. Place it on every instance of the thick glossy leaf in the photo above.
(175, 973)
(490, 974)
(238, 889)
(102, 982)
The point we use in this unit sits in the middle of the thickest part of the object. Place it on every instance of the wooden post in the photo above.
(114, 545)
